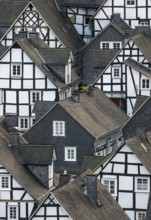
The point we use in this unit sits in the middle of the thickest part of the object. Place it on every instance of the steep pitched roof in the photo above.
(138, 67)
(145, 48)
(80, 3)
(91, 162)
(11, 163)
(50, 13)
(96, 113)
(74, 201)
(141, 149)
(36, 154)
(56, 76)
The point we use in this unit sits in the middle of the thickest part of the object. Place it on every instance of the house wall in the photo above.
(133, 15)
(31, 19)
(93, 52)
(15, 196)
(129, 84)
(75, 136)
(124, 168)
(16, 91)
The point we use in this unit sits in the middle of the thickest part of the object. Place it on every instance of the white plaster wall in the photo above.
(141, 200)
(2, 209)
(16, 55)
(132, 169)
(5, 83)
(28, 84)
(17, 194)
(133, 159)
(27, 71)
(126, 183)
(5, 195)
(23, 110)
(11, 109)
(4, 71)
(125, 200)
(23, 97)
(11, 96)
(16, 84)
(119, 168)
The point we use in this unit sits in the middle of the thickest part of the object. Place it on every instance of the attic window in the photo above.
(142, 184)
(130, 3)
(58, 128)
(4, 182)
(16, 70)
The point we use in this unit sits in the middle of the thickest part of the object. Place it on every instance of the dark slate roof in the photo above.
(3, 49)
(57, 78)
(63, 30)
(148, 214)
(81, 3)
(96, 113)
(91, 162)
(138, 67)
(78, 206)
(43, 106)
(142, 150)
(11, 10)
(55, 56)
(36, 154)
(145, 48)
(139, 101)
(11, 163)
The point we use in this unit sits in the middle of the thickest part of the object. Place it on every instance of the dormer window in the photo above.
(16, 70)
(130, 3)
(111, 45)
(116, 45)
(104, 45)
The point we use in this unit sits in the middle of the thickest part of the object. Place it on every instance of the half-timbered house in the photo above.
(82, 125)
(30, 71)
(79, 12)
(133, 12)
(42, 16)
(127, 176)
(93, 58)
(128, 74)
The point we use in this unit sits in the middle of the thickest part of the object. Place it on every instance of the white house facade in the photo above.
(127, 75)
(133, 12)
(128, 180)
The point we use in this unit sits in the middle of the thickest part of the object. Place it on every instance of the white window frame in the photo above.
(23, 121)
(144, 23)
(15, 74)
(140, 187)
(144, 85)
(117, 43)
(2, 178)
(129, 3)
(105, 45)
(113, 72)
(110, 181)
(140, 214)
(59, 128)
(11, 214)
(36, 92)
(70, 154)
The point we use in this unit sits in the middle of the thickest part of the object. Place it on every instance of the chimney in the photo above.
(22, 34)
(90, 91)
(11, 120)
(64, 178)
(91, 188)
(115, 17)
(14, 138)
(33, 37)
(76, 96)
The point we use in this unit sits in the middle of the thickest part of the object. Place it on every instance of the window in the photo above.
(105, 46)
(12, 212)
(23, 123)
(141, 216)
(16, 70)
(130, 2)
(58, 128)
(145, 84)
(116, 45)
(4, 182)
(35, 96)
(142, 184)
(144, 23)
(70, 153)
(87, 20)
(110, 185)
(116, 72)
